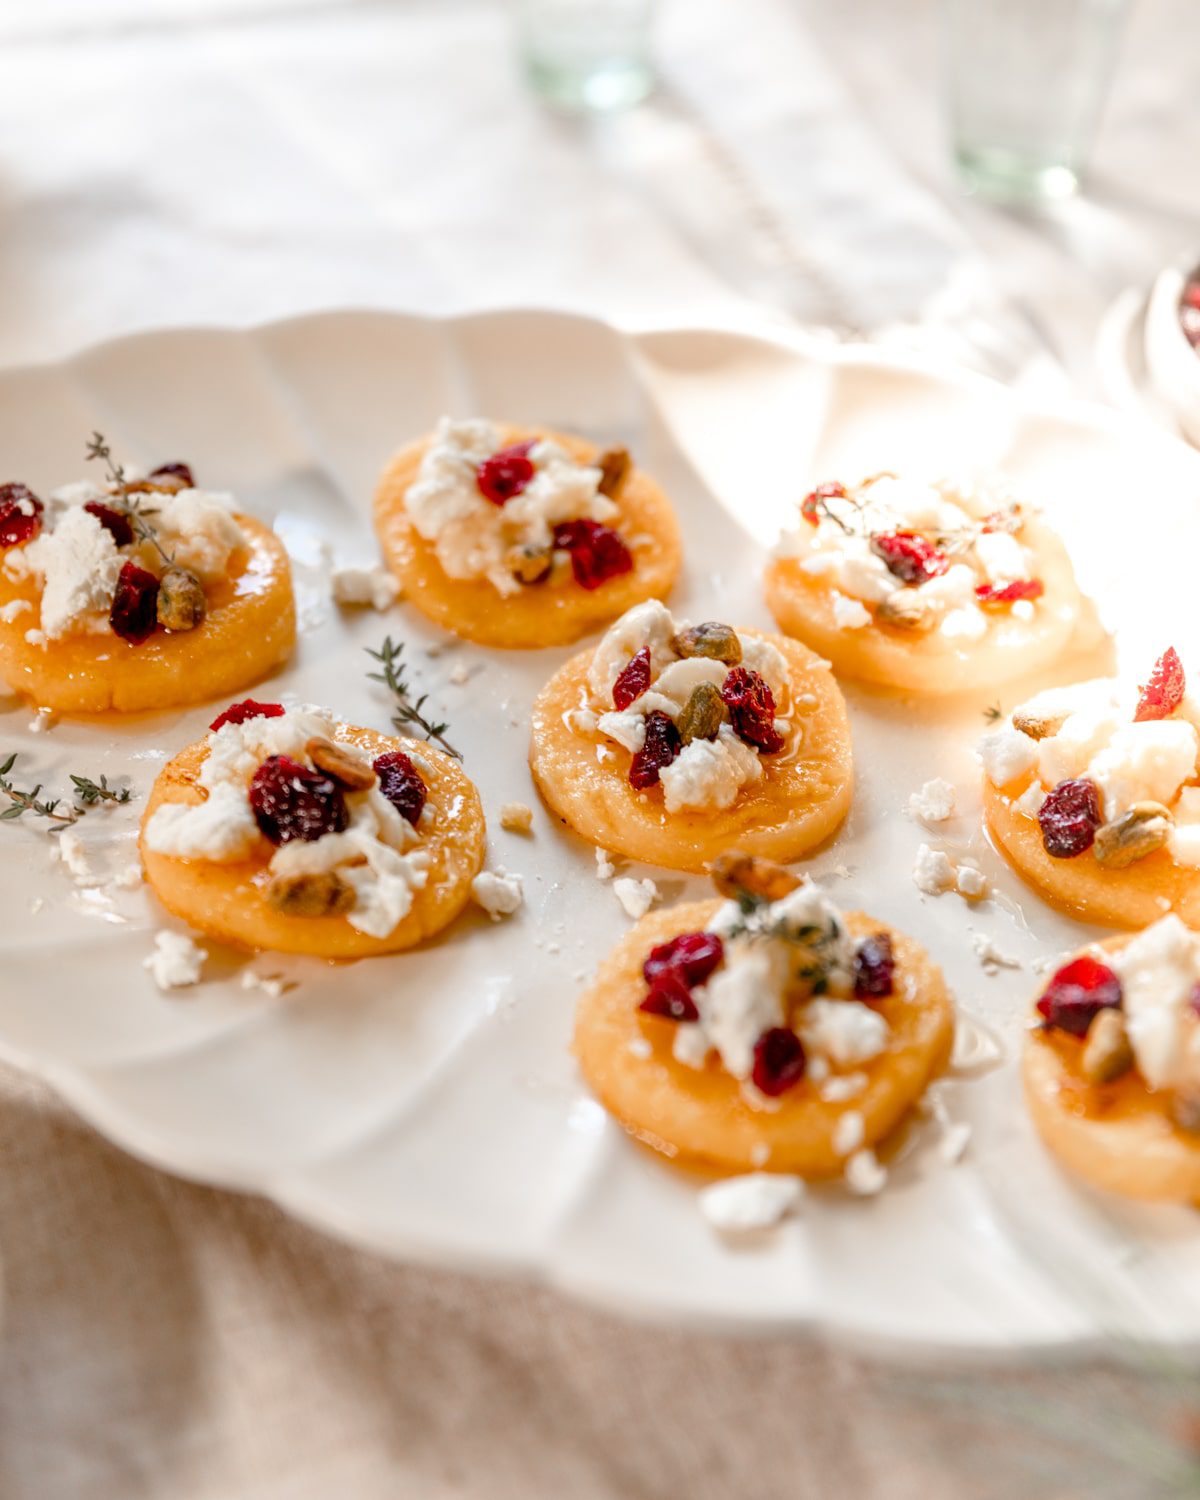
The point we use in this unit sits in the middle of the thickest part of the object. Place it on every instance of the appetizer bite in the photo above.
(287, 830)
(1091, 793)
(671, 742)
(519, 538)
(767, 1031)
(138, 593)
(923, 587)
(1112, 1065)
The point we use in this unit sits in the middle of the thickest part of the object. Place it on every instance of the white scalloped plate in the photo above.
(427, 1106)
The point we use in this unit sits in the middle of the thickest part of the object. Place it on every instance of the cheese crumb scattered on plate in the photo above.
(605, 869)
(498, 892)
(271, 985)
(516, 817)
(991, 957)
(460, 673)
(374, 587)
(865, 1174)
(635, 897)
(934, 803)
(176, 961)
(44, 720)
(756, 1200)
(934, 872)
(848, 1132)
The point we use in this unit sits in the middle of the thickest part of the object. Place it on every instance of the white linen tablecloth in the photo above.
(184, 161)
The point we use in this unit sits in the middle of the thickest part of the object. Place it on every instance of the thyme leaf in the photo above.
(408, 710)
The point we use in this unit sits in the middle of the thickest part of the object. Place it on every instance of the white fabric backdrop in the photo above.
(165, 163)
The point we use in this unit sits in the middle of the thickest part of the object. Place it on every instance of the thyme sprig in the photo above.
(818, 945)
(856, 515)
(993, 713)
(88, 793)
(408, 710)
(135, 510)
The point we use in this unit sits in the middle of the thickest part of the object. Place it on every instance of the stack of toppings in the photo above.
(520, 515)
(1109, 771)
(916, 557)
(343, 826)
(694, 705)
(1136, 1010)
(131, 555)
(775, 985)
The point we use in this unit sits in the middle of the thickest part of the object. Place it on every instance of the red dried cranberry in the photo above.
(291, 802)
(1191, 294)
(401, 784)
(662, 744)
(134, 612)
(1069, 818)
(248, 708)
(909, 556)
(114, 522)
(20, 515)
(503, 476)
(874, 967)
(174, 471)
(633, 680)
(1077, 993)
(751, 706)
(691, 955)
(1009, 593)
(778, 1061)
(810, 506)
(1163, 694)
(597, 552)
(670, 999)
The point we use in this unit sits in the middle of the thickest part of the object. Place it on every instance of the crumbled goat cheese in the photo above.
(969, 881)
(176, 961)
(848, 1133)
(1006, 754)
(710, 773)
(516, 817)
(1029, 803)
(44, 720)
(605, 869)
(460, 673)
(498, 892)
(845, 1031)
(849, 614)
(78, 564)
(221, 828)
(374, 587)
(13, 609)
(640, 1047)
(933, 871)
(271, 985)
(72, 854)
(1147, 762)
(864, 1173)
(198, 529)
(757, 1200)
(991, 957)
(934, 803)
(843, 1086)
(635, 897)
(1158, 970)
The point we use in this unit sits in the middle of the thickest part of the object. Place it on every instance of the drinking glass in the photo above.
(1025, 83)
(587, 54)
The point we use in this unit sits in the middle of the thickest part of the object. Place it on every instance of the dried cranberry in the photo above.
(292, 802)
(778, 1061)
(1069, 818)
(810, 506)
(1077, 993)
(134, 612)
(248, 708)
(633, 680)
(662, 744)
(751, 706)
(1191, 294)
(114, 521)
(874, 967)
(20, 515)
(1009, 593)
(1163, 694)
(909, 556)
(597, 552)
(503, 476)
(670, 999)
(691, 955)
(401, 784)
(174, 471)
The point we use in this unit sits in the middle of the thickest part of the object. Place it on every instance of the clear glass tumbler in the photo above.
(587, 54)
(1026, 80)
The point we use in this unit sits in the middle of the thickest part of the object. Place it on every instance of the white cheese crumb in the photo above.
(934, 803)
(498, 892)
(1029, 803)
(990, 956)
(1006, 754)
(635, 897)
(129, 878)
(14, 608)
(271, 985)
(516, 817)
(970, 881)
(842, 1086)
(848, 1133)
(603, 753)
(375, 587)
(757, 1200)
(849, 614)
(933, 871)
(460, 673)
(1022, 609)
(605, 869)
(44, 720)
(760, 1154)
(842, 872)
(844, 1031)
(71, 852)
(864, 1173)
(176, 961)
(640, 1046)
